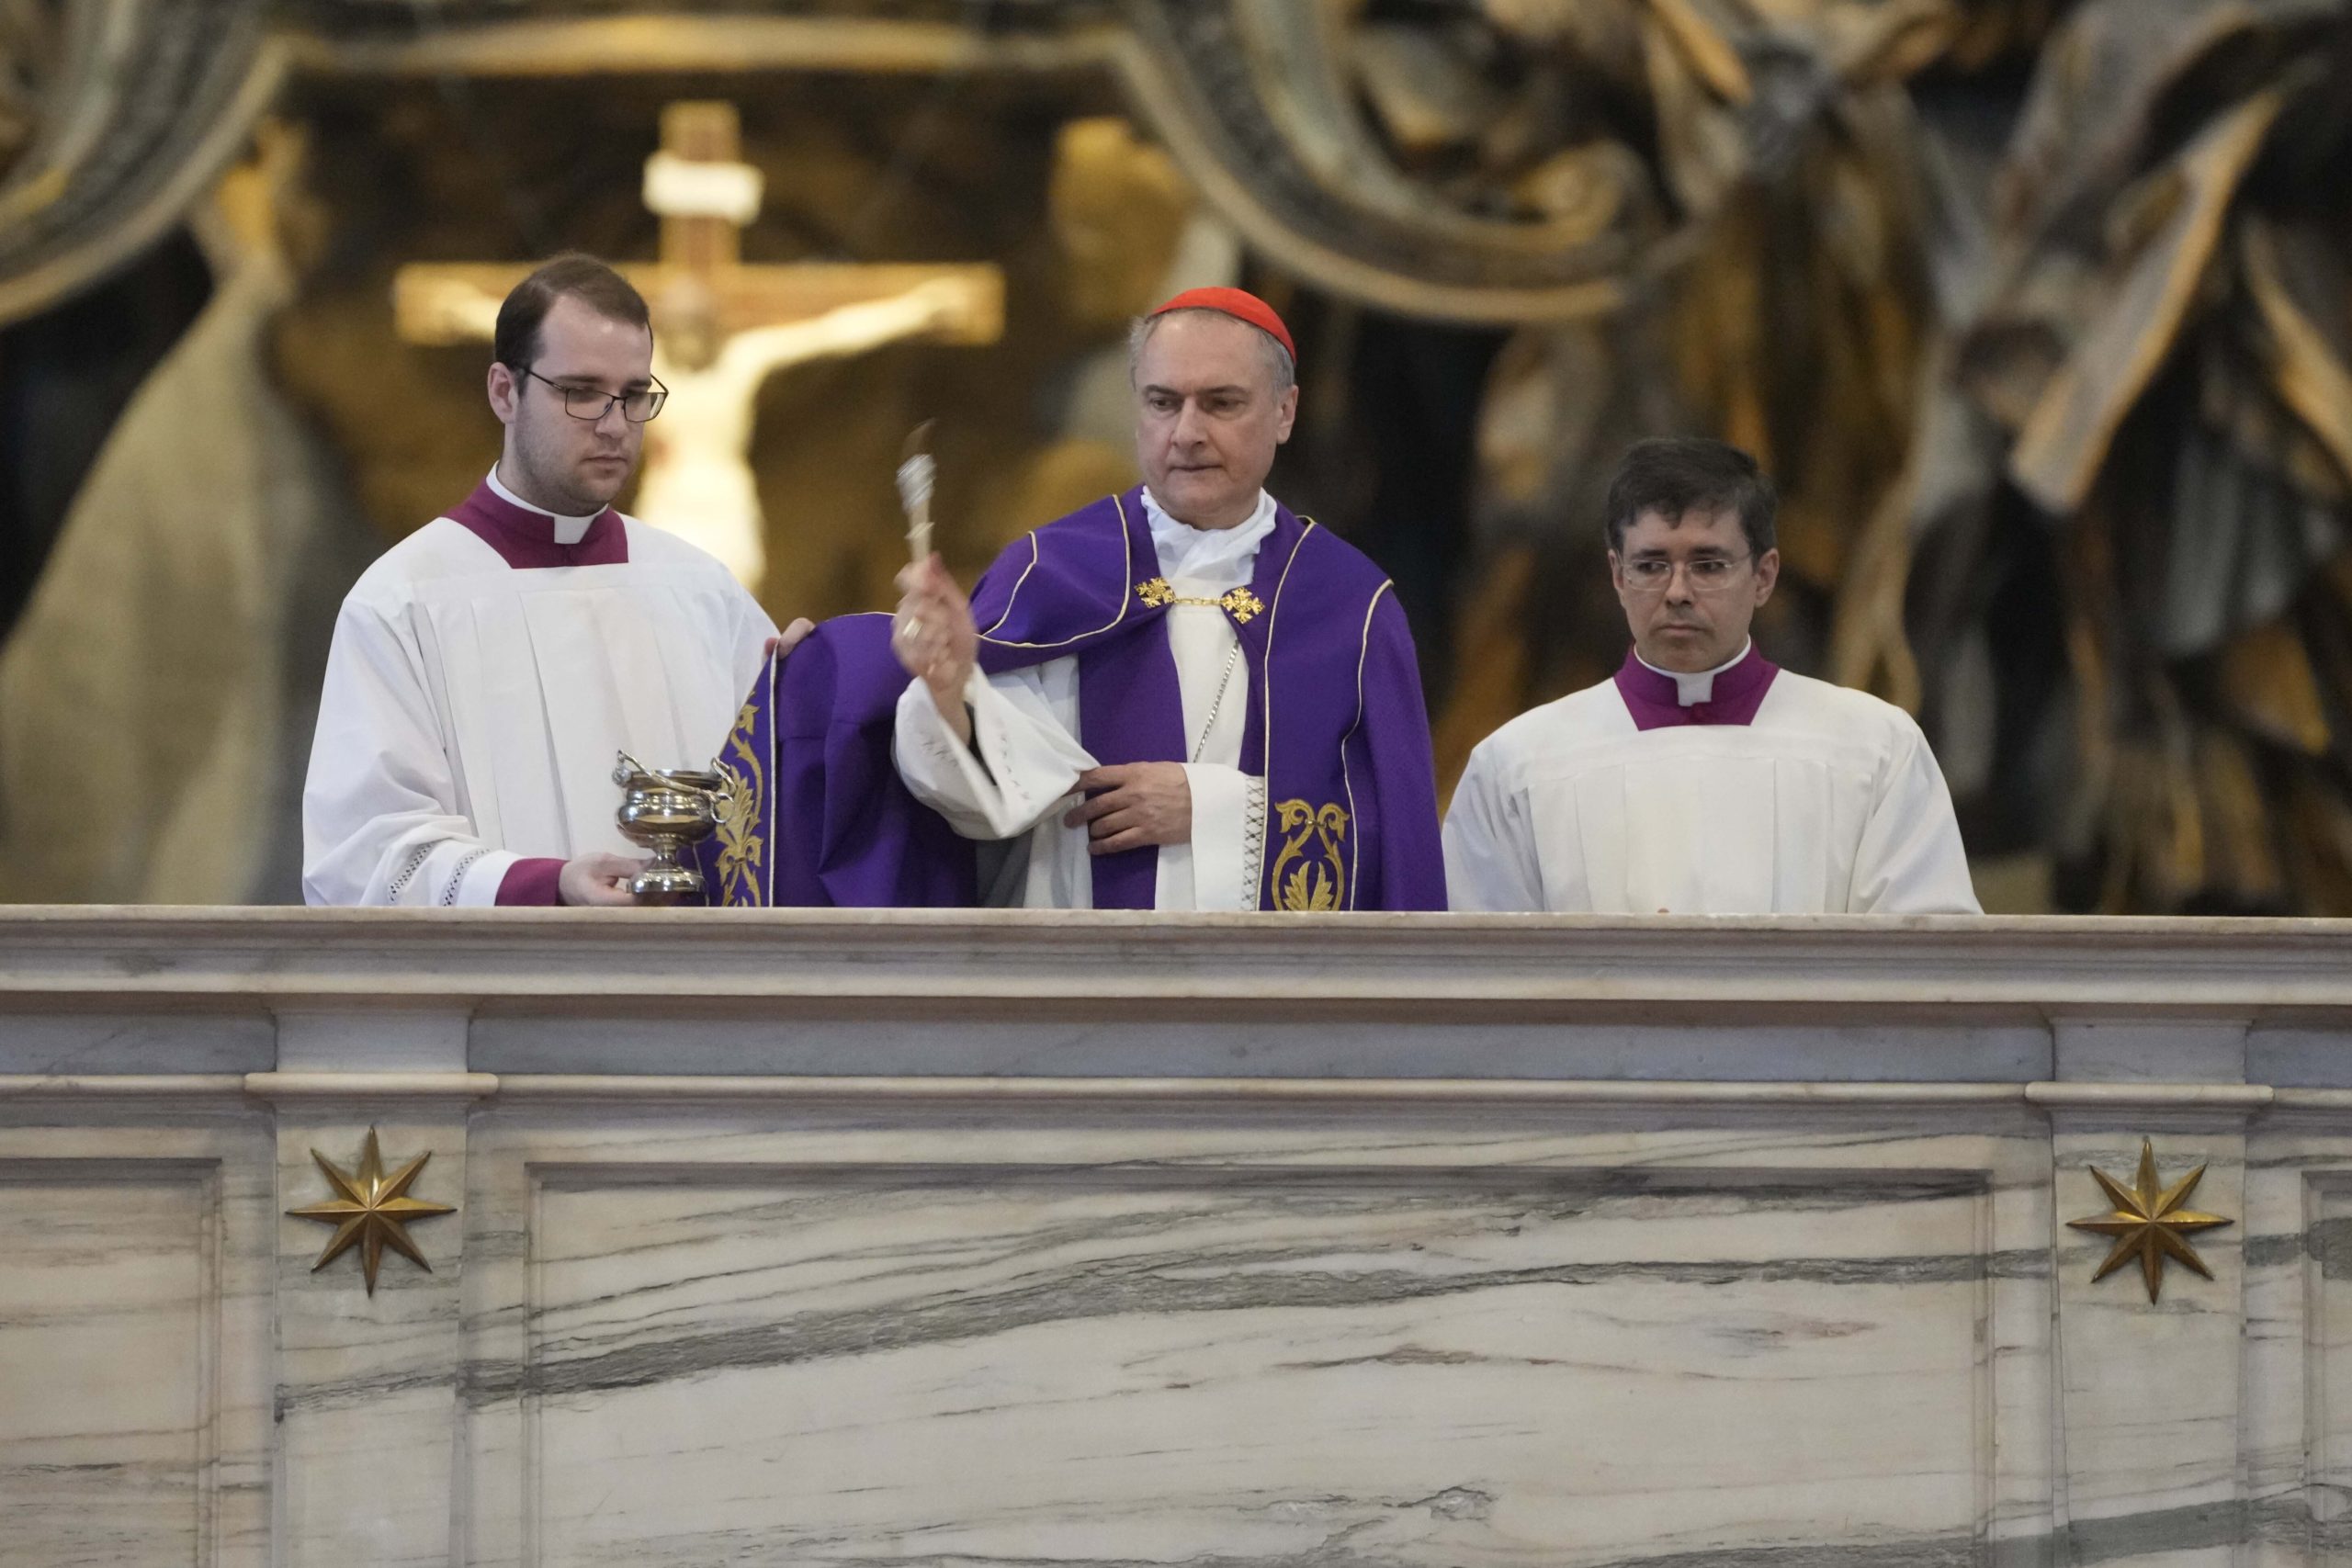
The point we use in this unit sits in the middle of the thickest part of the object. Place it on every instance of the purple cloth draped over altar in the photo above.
(819, 818)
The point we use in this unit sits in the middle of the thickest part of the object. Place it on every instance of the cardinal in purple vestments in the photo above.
(1185, 696)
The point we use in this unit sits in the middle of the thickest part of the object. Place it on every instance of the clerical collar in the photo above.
(527, 538)
(1659, 698)
(568, 530)
(1690, 690)
(1224, 555)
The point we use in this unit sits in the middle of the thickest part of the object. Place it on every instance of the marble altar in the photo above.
(1356, 1242)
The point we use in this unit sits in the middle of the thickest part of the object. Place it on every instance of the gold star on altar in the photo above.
(2147, 1223)
(373, 1212)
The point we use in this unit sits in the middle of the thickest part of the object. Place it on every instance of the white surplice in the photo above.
(1828, 801)
(472, 709)
(1026, 723)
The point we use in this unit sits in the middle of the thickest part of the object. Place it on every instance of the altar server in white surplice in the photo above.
(488, 668)
(1702, 779)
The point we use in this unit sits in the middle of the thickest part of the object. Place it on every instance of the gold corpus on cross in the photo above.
(373, 1212)
(2148, 1223)
(1241, 604)
(703, 250)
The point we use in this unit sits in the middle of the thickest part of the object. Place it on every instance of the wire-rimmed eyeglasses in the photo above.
(1707, 574)
(590, 403)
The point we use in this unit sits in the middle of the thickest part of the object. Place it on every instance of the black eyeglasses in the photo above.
(590, 404)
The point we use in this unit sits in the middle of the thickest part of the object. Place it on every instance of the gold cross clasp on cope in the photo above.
(1241, 604)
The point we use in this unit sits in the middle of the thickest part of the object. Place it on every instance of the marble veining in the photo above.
(133, 1332)
(1726, 1245)
(1062, 1366)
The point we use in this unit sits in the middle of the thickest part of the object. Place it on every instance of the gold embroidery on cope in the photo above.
(742, 850)
(1310, 870)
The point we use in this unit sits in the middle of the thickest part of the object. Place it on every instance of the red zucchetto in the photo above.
(1239, 303)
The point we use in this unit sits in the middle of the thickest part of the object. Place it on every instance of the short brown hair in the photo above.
(515, 344)
(1672, 475)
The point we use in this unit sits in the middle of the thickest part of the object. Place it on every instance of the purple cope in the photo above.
(1335, 725)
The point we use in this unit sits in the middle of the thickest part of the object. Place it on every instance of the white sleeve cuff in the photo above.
(1030, 765)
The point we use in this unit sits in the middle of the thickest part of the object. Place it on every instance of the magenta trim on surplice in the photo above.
(525, 539)
(1655, 700)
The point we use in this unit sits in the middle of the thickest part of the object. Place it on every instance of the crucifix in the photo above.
(721, 327)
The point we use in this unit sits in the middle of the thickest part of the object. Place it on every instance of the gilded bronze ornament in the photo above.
(373, 1212)
(2148, 1223)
